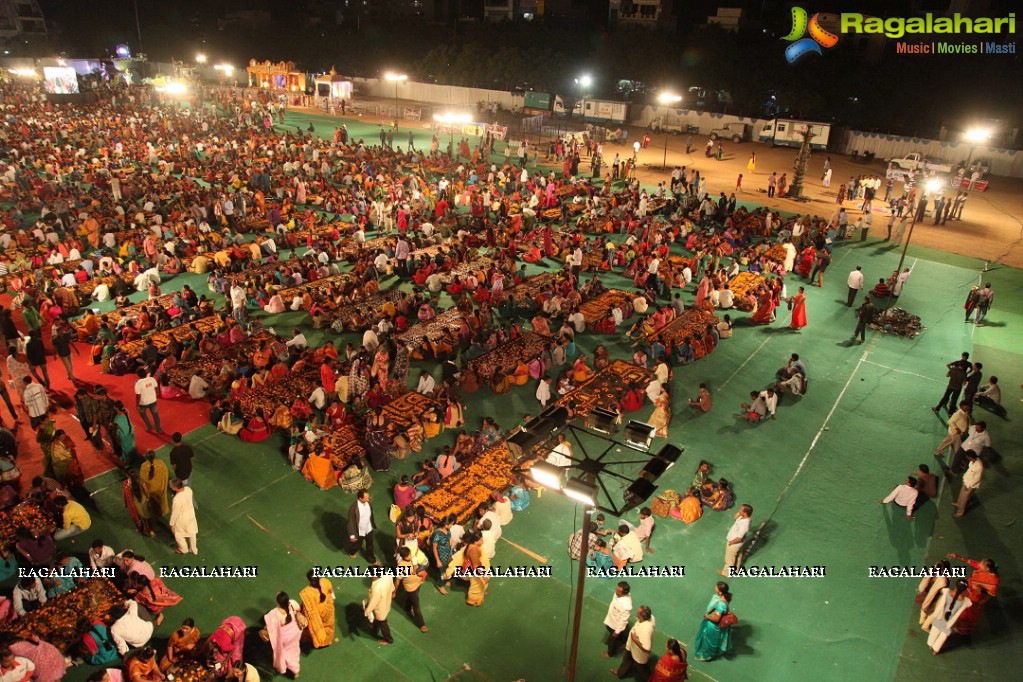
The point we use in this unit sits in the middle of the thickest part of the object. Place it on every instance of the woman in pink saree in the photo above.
(282, 627)
(228, 641)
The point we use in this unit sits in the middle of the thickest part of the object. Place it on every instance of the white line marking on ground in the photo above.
(739, 368)
(902, 371)
(824, 426)
(256, 492)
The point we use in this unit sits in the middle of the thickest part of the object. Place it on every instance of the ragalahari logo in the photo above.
(818, 38)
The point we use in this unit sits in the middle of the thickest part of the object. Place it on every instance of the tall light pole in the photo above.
(975, 136)
(395, 78)
(667, 98)
(930, 187)
(450, 120)
(584, 82)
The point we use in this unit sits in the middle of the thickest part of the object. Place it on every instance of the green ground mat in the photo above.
(814, 477)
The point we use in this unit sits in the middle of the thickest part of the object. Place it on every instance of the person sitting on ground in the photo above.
(755, 410)
(703, 401)
(990, 397)
(691, 508)
(628, 549)
(791, 381)
(881, 289)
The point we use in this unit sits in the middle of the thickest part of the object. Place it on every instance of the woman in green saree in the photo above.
(712, 639)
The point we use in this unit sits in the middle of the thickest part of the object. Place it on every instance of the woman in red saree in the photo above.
(672, 666)
(798, 310)
(806, 259)
(257, 429)
(153, 594)
(981, 587)
(765, 307)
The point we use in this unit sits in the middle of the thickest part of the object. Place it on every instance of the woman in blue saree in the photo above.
(713, 640)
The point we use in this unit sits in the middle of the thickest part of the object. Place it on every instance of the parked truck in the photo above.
(736, 132)
(916, 161)
(599, 110)
(783, 132)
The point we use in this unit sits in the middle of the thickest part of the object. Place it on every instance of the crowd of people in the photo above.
(117, 198)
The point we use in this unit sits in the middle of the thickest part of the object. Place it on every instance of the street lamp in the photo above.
(932, 186)
(667, 98)
(975, 136)
(450, 120)
(587, 476)
(395, 78)
(200, 58)
(584, 81)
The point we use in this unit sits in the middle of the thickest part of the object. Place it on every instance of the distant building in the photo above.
(642, 14)
(21, 19)
(727, 18)
(495, 11)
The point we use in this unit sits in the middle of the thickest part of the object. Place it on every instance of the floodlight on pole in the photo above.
(200, 58)
(975, 136)
(667, 98)
(584, 82)
(548, 475)
(450, 120)
(581, 491)
(395, 78)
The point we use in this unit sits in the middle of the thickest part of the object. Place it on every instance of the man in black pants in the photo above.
(617, 620)
(361, 525)
(378, 607)
(956, 378)
(864, 316)
(411, 584)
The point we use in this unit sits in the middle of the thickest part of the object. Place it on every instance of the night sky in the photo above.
(904, 94)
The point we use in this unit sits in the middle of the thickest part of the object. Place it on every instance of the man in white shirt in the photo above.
(637, 648)
(977, 439)
(971, 481)
(100, 555)
(434, 283)
(361, 526)
(370, 340)
(543, 391)
(297, 341)
(855, 283)
(426, 384)
(378, 607)
(318, 398)
(733, 541)
(237, 294)
(36, 401)
(16, 668)
(490, 537)
(617, 619)
(578, 321)
(577, 261)
(29, 595)
(628, 549)
(101, 292)
(145, 399)
(640, 304)
(904, 495)
(726, 299)
(197, 387)
(770, 401)
(182, 519)
(561, 454)
(129, 631)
